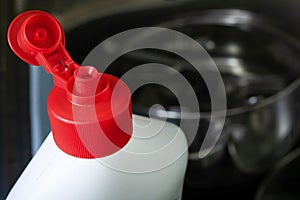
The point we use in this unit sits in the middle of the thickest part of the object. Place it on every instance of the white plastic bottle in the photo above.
(53, 174)
(97, 149)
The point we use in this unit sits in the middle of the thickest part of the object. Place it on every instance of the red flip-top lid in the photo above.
(90, 112)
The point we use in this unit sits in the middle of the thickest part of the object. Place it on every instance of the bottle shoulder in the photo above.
(154, 145)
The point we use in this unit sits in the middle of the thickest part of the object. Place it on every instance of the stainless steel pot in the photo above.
(259, 65)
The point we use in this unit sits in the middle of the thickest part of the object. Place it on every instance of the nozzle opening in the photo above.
(86, 74)
(88, 86)
(40, 35)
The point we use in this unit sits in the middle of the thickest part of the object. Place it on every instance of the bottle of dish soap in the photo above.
(97, 149)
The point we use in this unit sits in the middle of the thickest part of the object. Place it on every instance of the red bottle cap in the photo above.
(90, 112)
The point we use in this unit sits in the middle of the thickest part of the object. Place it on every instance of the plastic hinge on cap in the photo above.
(90, 112)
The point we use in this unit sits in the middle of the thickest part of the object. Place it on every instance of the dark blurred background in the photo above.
(102, 19)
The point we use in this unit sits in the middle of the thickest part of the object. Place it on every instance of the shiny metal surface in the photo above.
(259, 65)
(266, 132)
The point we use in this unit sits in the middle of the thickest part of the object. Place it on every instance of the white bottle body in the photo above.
(141, 174)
